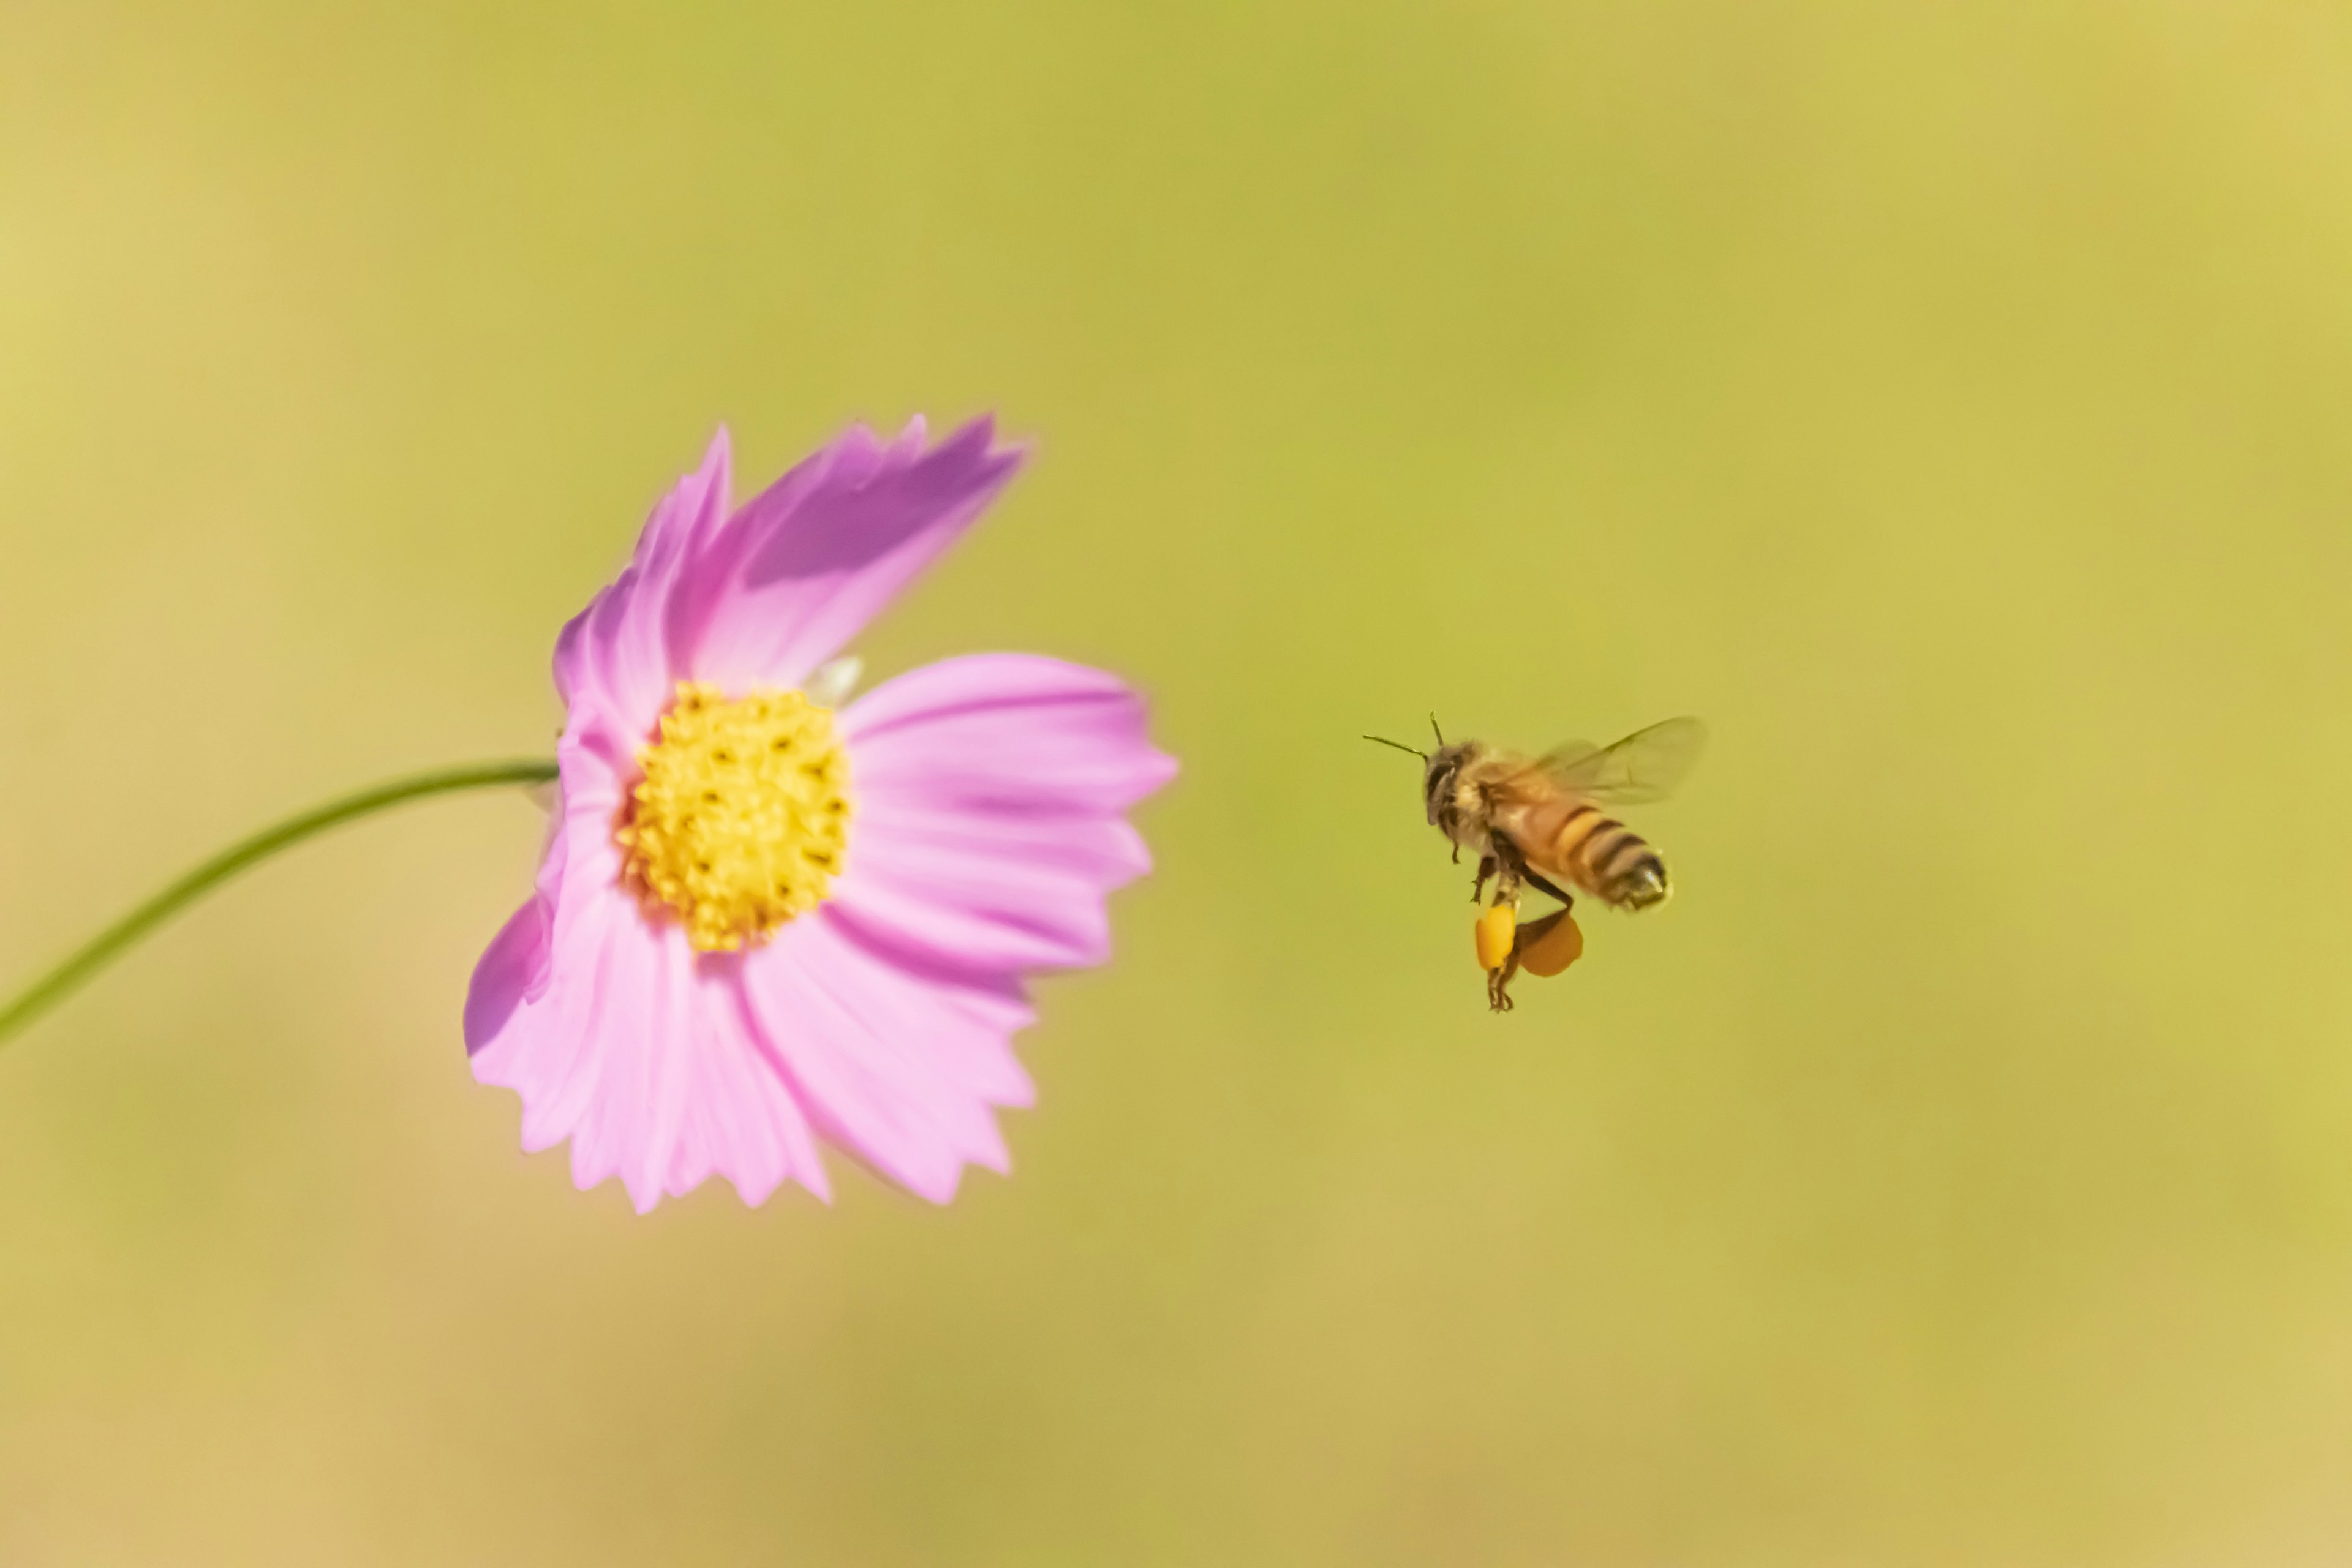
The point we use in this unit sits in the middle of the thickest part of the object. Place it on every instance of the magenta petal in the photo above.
(960, 1026)
(544, 1050)
(1021, 924)
(640, 650)
(1005, 735)
(615, 655)
(803, 566)
(758, 1135)
(990, 792)
(640, 1055)
(643, 1026)
(519, 965)
(871, 1084)
(515, 963)
(582, 855)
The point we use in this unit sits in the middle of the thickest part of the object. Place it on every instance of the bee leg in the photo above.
(1510, 868)
(1498, 983)
(1487, 864)
(1543, 884)
(1497, 936)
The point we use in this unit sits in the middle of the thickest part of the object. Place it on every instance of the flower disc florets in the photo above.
(742, 817)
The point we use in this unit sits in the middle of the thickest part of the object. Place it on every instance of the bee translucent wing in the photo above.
(1646, 766)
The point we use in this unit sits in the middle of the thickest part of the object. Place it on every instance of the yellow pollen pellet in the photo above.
(742, 818)
(1496, 927)
(1550, 944)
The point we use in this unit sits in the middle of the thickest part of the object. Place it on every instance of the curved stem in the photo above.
(108, 944)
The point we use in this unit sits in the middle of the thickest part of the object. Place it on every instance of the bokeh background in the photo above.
(1953, 404)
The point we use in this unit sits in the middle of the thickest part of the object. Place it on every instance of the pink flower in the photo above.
(760, 926)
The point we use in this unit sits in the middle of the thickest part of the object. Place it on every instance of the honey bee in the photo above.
(1537, 823)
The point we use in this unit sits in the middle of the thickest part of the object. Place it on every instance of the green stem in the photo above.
(108, 944)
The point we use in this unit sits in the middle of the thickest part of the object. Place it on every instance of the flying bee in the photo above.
(1537, 823)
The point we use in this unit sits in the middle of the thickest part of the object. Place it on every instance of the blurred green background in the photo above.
(1952, 404)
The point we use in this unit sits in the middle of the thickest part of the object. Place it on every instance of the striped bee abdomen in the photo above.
(1606, 859)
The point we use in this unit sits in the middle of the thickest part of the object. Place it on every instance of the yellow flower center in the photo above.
(742, 817)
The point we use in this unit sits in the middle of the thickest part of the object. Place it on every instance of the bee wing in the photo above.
(1646, 766)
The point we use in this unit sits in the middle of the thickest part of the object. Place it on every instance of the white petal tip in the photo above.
(833, 682)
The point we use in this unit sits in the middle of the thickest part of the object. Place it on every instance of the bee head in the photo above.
(1440, 767)
(1445, 765)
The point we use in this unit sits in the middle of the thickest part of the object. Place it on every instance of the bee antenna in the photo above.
(1437, 732)
(1400, 745)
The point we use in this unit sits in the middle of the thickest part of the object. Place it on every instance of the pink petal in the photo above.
(641, 1057)
(1006, 734)
(883, 1072)
(989, 828)
(803, 566)
(758, 1132)
(515, 963)
(582, 853)
(518, 963)
(960, 1025)
(543, 1052)
(614, 657)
